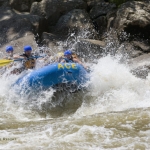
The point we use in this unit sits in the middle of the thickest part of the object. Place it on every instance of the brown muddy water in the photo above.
(113, 113)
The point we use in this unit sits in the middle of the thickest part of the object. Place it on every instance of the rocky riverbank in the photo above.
(89, 26)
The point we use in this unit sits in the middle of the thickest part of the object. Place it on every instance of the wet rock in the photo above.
(130, 50)
(140, 66)
(104, 22)
(21, 5)
(85, 48)
(141, 72)
(52, 41)
(89, 49)
(92, 3)
(135, 48)
(143, 60)
(101, 24)
(135, 53)
(18, 44)
(101, 9)
(4, 3)
(133, 17)
(52, 9)
(100, 14)
(142, 45)
(76, 21)
(15, 28)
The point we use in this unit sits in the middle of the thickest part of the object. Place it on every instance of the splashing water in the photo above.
(111, 88)
(112, 113)
(114, 88)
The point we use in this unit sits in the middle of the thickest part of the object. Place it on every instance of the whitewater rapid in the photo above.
(114, 88)
(112, 113)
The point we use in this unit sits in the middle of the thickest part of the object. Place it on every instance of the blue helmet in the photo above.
(67, 52)
(27, 48)
(9, 49)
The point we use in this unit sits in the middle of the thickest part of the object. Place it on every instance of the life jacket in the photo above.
(68, 60)
(29, 63)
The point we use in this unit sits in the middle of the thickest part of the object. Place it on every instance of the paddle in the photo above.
(4, 62)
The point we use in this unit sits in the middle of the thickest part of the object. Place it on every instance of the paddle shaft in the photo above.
(4, 62)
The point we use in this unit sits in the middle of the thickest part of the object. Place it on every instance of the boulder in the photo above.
(134, 17)
(18, 44)
(143, 46)
(87, 49)
(101, 9)
(78, 22)
(100, 24)
(90, 50)
(127, 50)
(54, 43)
(19, 29)
(103, 23)
(21, 5)
(53, 9)
(92, 3)
(141, 72)
(4, 3)
(140, 66)
(141, 61)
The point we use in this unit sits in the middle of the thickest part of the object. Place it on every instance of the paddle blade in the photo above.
(4, 62)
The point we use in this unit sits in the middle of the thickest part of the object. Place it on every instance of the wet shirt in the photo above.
(68, 60)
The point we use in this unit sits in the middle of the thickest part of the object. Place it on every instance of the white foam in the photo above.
(114, 88)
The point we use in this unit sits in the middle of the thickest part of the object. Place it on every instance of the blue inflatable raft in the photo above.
(52, 76)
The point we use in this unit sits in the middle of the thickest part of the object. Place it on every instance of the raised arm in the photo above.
(78, 61)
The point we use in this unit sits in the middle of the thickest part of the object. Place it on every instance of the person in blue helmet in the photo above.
(69, 57)
(10, 53)
(29, 59)
(27, 51)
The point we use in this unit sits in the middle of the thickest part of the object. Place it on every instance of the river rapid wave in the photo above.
(111, 113)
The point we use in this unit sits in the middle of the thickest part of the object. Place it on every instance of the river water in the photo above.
(112, 113)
